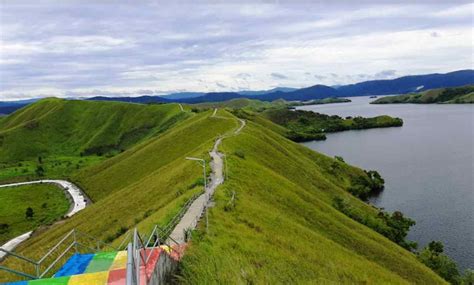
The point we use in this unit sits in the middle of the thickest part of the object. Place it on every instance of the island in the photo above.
(457, 95)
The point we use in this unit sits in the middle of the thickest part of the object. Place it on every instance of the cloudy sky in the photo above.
(81, 48)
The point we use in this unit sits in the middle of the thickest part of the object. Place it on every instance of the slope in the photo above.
(274, 223)
(142, 186)
(67, 127)
(458, 95)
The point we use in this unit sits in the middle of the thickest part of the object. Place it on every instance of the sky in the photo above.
(110, 48)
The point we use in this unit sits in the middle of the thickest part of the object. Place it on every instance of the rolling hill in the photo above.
(68, 127)
(275, 219)
(457, 95)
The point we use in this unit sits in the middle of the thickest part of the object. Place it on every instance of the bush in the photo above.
(240, 153)
(433, 257)
(29, 213)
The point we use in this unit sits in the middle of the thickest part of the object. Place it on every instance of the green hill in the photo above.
(66, 127)
(282, 226)
(455, 95)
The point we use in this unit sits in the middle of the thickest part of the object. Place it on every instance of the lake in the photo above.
(427, 164)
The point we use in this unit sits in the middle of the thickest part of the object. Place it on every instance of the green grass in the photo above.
(71, 128)
(55, 167)
(142, 186)
(456, 95)
(47, 201)
(282, 227)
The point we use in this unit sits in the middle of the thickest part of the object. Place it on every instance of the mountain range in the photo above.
(399, 85)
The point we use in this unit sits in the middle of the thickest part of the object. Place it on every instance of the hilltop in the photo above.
(285, 213)
(458, 95)
(72, 128)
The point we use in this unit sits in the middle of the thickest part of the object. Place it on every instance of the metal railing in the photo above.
(139, 252)
(71, 241)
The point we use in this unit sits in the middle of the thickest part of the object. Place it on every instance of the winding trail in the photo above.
(196, 210)
(77, 198)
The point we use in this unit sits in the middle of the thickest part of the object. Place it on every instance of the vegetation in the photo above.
(274, 220)
(307, 125)
(24, 208)
(455, 95)
(433, 257)
(76, 128)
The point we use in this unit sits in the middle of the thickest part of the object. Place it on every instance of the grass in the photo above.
(456, 95)
(280, 227)
(56, 127)
(47, 201)
(142, 186)
(55, 167)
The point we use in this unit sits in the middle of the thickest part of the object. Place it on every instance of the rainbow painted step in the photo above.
(102, 268)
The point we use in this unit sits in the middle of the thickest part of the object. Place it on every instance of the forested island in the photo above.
(458, 95)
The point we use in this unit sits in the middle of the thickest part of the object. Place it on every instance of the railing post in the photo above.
(37, 270)
(75, 241)
(130, 269)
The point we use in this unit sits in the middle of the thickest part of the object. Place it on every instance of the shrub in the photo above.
(240, 154)
(29, 213)
(433, 257)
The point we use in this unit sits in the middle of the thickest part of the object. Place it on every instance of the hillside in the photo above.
(71, 128)
(282, 226)
(458, 95)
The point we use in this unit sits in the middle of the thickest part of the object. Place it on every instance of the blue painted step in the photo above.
(75, 265)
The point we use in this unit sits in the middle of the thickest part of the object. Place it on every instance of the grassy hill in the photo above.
(457, 95)
(282, 226)
(66, 127)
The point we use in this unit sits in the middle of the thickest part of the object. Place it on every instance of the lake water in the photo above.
(428, 167)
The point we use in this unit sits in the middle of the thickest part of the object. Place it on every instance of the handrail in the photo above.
(95, 239)
(74, 243)
(56, 260)
(18, 256)
(56, 246)
(124, 240)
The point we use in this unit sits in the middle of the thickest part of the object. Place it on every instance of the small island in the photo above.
(458, 95)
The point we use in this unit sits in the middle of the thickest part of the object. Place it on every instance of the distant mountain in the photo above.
(402, 85)
(408, 84)
(183, 95)
(213, 97)
(262, 92)
(303, 94)
(141, 99)
(7, 107)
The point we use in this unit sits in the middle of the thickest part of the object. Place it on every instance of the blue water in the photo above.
(428, 167)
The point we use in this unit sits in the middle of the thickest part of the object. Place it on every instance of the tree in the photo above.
(39, 170)
(433, 257)
(29, 213)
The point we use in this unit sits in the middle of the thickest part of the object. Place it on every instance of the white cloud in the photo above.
(76, 48)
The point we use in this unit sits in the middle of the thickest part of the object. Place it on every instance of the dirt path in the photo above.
(195, 211)
(77, 198)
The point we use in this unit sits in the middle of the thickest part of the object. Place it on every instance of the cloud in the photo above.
(385, 74)
(104, 48)
(278, 75)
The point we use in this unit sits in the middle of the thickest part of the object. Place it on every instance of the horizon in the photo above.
(187, 47)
